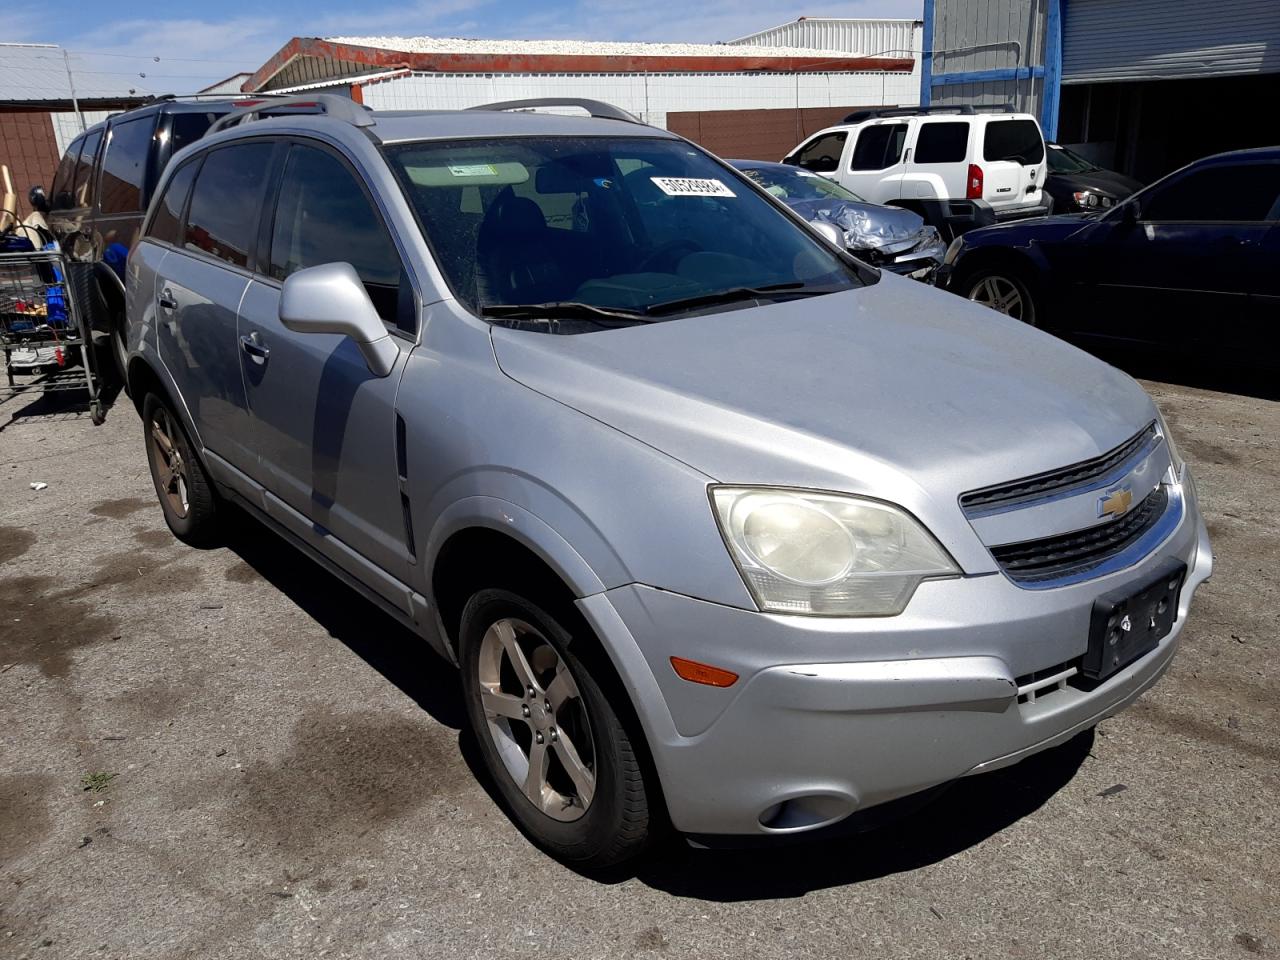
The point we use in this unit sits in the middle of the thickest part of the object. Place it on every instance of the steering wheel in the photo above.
(660, 253)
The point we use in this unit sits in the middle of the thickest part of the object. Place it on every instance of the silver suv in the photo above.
(724, 528)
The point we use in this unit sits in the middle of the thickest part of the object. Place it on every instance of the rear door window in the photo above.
(1244, 193)
(61, 196)
(822, 155)
(187, 128)
(879, 146)
(1015, 140)
(225, 202)
(324, 216)
(83, 188)
(166, 225)
(942, 142)
(124, 166)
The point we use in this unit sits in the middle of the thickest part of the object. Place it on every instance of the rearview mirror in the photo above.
(330, 298)
(829, 232)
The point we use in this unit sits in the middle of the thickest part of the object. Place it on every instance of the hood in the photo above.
(1099, 181)
(895, 390)
(866, 226)
(1059, 226)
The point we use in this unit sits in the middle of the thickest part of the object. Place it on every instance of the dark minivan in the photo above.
(100, 193)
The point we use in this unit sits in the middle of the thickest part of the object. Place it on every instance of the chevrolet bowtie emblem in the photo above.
(1116, 503)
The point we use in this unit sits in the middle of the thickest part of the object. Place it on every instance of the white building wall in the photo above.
(649, 96)
(66, 126)
(893, 38)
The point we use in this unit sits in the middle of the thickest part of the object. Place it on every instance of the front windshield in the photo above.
(604, 224)
(1062, 160)
(792, 183)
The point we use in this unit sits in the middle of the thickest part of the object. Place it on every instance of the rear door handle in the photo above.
(252, 345)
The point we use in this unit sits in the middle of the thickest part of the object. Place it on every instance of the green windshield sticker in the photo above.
(473, 170)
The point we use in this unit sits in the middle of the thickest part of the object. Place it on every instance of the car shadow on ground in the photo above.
(906, 836)
(1186, 372)
(375, 637)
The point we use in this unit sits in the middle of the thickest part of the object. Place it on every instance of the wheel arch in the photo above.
(480, 555)
(485, 541)
(1012, 258)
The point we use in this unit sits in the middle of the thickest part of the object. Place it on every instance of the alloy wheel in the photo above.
(536, 719)
(1002, 294)
(171, 469)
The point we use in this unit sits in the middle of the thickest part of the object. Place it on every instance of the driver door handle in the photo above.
(252, 345)
(167, 302)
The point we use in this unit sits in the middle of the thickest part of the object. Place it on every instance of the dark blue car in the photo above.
(1190, 263)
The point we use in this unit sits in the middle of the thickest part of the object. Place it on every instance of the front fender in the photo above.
(513, 520)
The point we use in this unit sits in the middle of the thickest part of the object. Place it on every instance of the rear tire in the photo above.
(186, 495)
(1003, 289)
(569, 776)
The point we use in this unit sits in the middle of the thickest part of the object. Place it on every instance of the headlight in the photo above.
(953, 251)
(821, 554)
(1174, 456)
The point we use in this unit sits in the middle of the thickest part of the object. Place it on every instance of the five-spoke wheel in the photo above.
(1002, 290)
(563, 753)
(185, 493)
(536, 719)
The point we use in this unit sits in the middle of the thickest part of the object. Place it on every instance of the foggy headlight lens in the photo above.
(825, 555)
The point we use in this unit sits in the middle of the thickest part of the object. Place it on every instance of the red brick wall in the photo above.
(755, 134)
(28, 147)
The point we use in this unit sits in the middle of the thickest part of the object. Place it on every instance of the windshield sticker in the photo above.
(691, 187)
(473, 170)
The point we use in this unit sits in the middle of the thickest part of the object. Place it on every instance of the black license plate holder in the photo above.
(1127, 624)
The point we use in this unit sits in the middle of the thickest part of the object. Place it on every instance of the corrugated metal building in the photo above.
(1143, 86)
(772, 91)
(897, 38)
(40, 88)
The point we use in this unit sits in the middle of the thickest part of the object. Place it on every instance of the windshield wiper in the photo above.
(561, 310)
(734, 294)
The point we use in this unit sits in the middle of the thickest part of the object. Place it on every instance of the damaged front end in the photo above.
(887, 237)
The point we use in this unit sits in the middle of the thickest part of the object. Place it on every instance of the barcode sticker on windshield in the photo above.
(473, 170)
(691, 187)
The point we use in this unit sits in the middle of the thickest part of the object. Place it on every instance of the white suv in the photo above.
(959, 170)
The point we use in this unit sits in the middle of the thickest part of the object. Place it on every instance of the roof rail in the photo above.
(340, 108)
(966, 110)
(168, 97)
(596, 108)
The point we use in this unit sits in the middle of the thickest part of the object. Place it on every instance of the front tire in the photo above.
(183, 488)
(560, 755)
(1004, 290)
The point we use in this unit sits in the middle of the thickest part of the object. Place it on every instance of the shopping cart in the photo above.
(47, 346)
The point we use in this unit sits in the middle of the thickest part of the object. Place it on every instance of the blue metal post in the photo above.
(1052, 69)
(926, 54)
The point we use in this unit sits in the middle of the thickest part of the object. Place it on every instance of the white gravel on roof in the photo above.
(587, 48)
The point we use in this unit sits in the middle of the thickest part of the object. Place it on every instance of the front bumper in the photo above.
(832, 716)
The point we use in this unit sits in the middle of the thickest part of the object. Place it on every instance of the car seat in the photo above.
(516, 255)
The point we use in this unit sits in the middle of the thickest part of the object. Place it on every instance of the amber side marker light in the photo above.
(702, 673)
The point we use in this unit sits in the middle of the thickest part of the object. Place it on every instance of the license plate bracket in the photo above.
(1126, 624)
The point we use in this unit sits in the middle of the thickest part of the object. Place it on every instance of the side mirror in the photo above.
(37, 199)
(331, 299)
(1129, 213)
(829, 232)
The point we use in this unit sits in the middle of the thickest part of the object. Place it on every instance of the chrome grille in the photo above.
(1071, 554)
(1056, 482)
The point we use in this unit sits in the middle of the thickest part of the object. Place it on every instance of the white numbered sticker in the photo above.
(691, 187)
